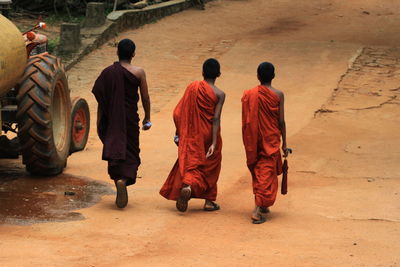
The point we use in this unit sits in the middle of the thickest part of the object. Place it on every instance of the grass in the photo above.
(52, 44)
(57, 19)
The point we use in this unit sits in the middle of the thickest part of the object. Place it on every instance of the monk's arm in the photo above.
(217, 116)
(282, 122)
(216, 123)
(145, 97)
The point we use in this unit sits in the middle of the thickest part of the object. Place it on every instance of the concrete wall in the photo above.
(128, 19)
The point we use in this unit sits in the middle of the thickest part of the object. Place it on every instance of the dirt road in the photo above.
(339, 66)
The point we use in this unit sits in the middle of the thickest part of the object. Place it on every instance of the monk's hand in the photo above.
(146, 125)
(286, 151)
(210, 151)
(176, 140)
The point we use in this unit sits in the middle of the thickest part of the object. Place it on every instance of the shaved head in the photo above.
(126, 49)
(266, 72)
(211, 69)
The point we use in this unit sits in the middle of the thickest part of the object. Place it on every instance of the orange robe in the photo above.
(193, 120)
(262, 139)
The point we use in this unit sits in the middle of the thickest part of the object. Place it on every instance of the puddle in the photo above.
(27, 200)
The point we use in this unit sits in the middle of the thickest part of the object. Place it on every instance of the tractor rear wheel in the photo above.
(44, 123)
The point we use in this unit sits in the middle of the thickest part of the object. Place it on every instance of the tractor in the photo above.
(35, 103)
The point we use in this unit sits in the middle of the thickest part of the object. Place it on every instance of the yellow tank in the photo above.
(12, 55)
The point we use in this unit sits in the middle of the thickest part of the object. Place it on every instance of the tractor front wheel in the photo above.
(80, 118)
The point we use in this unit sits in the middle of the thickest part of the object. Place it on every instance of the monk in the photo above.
(197, 120)
(263, 125)
(116, 91)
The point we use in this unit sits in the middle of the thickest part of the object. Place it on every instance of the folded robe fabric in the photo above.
(261, 138)
(193, 121)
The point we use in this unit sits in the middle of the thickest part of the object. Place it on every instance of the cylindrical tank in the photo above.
(12, 55)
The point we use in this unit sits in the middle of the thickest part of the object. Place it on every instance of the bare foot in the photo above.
(256, 216)
(184, 197)
(122, 194)
(210, 206)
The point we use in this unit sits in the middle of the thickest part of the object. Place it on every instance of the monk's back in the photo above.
(131, 101)
(207, 100)
(269, 119)
(201, 99)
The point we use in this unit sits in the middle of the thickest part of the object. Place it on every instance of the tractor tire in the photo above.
(80, 124)
(43, 116)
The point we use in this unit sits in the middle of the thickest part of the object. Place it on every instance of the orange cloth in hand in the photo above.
(193, 120)
(262, 139)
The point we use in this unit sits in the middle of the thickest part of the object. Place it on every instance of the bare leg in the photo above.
(256, 213)
(264, 210)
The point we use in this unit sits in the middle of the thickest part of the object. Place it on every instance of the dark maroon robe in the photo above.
(116, 91)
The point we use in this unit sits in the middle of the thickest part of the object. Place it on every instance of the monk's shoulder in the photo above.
(106, 75)
(278, 92)
(137, 71)
(246, 94)
(106, 71)
(219, 93)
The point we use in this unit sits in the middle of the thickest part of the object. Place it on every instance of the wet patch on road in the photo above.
(27, 200)
(282, 25)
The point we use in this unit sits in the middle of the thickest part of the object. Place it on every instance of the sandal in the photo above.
(214, 207)
(184, 197)
(260, 220)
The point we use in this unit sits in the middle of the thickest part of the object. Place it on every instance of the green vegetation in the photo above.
(58, 19)
(108, 10)
(52, 44)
